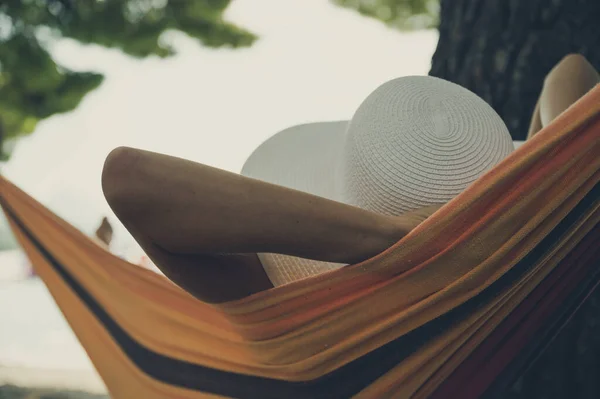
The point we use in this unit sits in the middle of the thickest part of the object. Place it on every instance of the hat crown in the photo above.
(417, 141)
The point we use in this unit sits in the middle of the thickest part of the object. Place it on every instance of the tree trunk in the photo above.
(502, 49)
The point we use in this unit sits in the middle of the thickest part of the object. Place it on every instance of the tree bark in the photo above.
(503, 49)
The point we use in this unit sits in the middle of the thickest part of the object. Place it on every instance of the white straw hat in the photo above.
(415, 141)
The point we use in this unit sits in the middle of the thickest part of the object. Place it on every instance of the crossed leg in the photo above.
(566, 83)
(203, 226)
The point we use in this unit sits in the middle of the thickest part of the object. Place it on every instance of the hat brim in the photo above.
(305, 158)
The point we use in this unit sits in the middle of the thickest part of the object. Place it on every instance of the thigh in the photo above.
(211, 278)
(566, 83)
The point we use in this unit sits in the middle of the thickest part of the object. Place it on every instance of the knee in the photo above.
(574, 59)
(117, 174)
(572, 66)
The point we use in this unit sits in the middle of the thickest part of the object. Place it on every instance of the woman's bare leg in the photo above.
(566, 83)
(185, 214)
(536, 121)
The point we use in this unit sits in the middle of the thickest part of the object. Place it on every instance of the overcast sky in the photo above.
(313, 61)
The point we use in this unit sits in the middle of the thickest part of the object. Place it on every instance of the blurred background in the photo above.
(209, 80)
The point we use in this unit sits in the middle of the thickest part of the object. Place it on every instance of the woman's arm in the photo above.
(202, 226)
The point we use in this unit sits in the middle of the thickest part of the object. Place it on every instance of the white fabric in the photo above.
(415, 141)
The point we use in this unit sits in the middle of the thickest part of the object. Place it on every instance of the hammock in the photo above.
(440, 314)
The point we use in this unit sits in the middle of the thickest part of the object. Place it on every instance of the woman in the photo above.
(203, 227)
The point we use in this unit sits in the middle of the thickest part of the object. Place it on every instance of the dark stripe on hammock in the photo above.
(346, 381)
(561, 317)
(502, 351)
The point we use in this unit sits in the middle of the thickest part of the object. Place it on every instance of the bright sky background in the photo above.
(313, 61)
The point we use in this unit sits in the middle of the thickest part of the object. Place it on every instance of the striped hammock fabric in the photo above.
(440, 314)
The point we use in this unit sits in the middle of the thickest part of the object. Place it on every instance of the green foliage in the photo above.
(400, 14)
(14, 392)
(33, 86)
